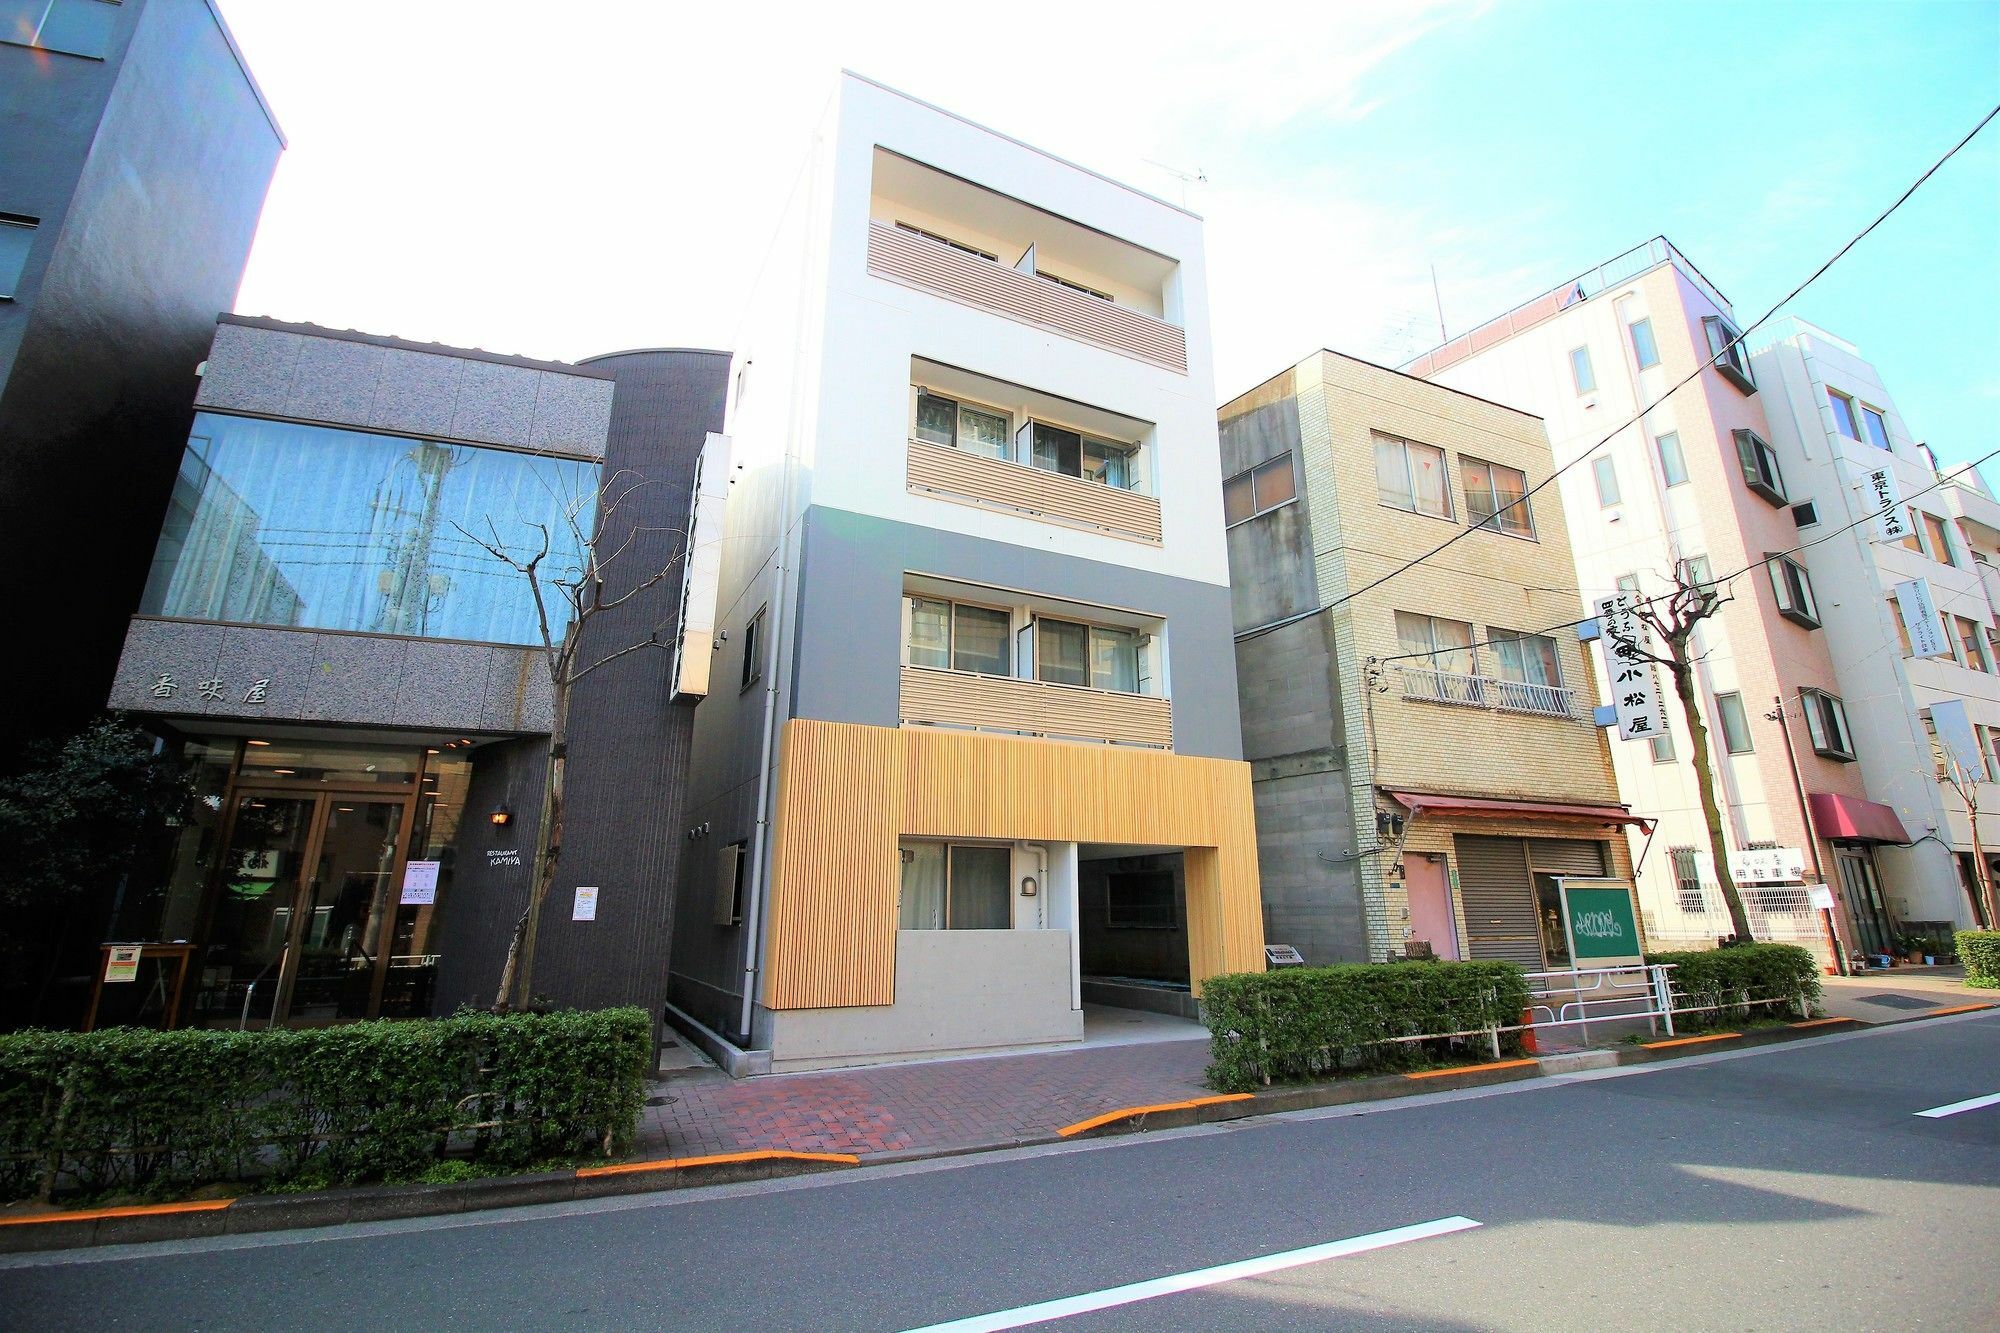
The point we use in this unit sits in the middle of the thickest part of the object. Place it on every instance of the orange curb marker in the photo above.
(717, 1159)
(1470, 1069)
(1127, 1112)
(1689, 1041)
(1957, 1009)
(1819, 1022)
(139, 1210)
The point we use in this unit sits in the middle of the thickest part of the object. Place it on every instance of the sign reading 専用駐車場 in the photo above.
(1603, 931)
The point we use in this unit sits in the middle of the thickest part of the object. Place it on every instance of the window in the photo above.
(17, 237)
(1735, 723)
(1940, 763)
(1877, 429)
(1826, 723)
(753, 651)
(1794, 589)
(1805, 513)
(374, 544)
(1496, 497)
(1073, 286)
(75, 27)
(1663, 747)
(1971, 638)
(1673, 464)
(958, 636)
(1528, 673)
(1902, 630)
(1992, 735)
(1760, 466)
(1698, 571)
(1725, 347)
(955, 886)
(1140, 900)
(1913, 540)
(1447, 668)
(1687, 879)
(1411, 476)
(1259, 490)
(1940, 534)
(1843, 414)
(1580, 371)
(1068, 653)
(946, 240)
(731, 872)
(957, 425)
(1606, 473)
(1074, 454)
(1644, 350)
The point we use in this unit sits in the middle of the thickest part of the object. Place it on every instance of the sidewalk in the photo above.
(1899, 992)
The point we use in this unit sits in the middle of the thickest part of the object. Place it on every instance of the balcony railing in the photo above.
(917, 261)
(1504, 696)
(935, 697)
(954, 474)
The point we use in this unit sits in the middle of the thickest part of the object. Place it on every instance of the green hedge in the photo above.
(1310, 1022)
(1733, 983)
(133, 1111)
(1979, 950)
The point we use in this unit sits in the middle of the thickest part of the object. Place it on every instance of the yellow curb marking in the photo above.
(141, 1210)
(1689, 1041)
(717, 1159)
(1819, 1022)
(1127, 1112)
(1957, 1009)
(1471, 1069)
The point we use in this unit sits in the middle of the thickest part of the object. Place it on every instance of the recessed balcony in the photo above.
(939, 697)
(1051, 497)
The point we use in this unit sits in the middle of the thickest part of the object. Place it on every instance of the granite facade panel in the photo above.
(334, 381)
(571, 415)
(416, 393)
(495, 403)
(250, 370)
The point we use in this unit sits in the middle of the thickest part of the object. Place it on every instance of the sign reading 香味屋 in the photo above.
(1879, 491)
(1603, 930)
(1635, 684)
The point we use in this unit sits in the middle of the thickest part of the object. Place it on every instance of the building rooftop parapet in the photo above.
(408, 345)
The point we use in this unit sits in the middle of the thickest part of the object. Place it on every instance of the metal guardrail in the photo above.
(1428, 685)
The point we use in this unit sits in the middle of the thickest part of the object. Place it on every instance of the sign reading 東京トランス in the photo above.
(1635, 684)
(1879, 491)
(1603, 930)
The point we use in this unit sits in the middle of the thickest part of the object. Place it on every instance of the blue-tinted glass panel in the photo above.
(80, 27)
(274, 523)
(20, 20)
(16, 239)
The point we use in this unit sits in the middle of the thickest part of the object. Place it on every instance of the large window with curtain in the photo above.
(278, 523)
(955, 886)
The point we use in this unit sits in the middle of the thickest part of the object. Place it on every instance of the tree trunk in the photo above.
(1711, 811)
(517, 978)
(1985, 893)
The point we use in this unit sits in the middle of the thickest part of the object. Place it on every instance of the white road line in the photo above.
(1969, 1104)
(1199, 1278)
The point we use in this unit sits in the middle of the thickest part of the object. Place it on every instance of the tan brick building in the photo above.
(1423, 754)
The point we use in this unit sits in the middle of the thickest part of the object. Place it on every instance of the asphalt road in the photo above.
(1781, 1188)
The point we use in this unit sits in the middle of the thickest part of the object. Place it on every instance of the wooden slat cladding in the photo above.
(937, 697)
(954, 474)
(916, 261)
(848, 793)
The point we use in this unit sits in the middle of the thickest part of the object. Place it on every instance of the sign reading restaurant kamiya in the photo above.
(1767, 865)
(1635, 684)
(1880, 491)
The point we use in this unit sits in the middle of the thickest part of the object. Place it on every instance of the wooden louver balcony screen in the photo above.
(938, 469)
(934, 697)
(916, 261)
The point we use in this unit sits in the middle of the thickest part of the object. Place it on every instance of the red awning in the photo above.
(1853, 819)
(1417, 802)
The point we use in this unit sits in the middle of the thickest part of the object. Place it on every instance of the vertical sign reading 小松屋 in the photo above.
(1920, 619)
(1879, 490)
(1635, 684)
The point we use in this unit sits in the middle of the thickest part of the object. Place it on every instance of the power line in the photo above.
(1620, 429)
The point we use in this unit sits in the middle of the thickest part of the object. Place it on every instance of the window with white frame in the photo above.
(1992, 738)
(1760, 466)
(1735, 723)
(958, 636)
(1826, 723)
(1496, 497)
(1938, 531)
(1606, 473)
(1258, 490)
(1972, 645)
(1725, 346)
(1673, 464)
(1644, 350)
(1440, 663)
(1068, 652)
(1530, 659)
(1793, 587)
(1580, 372)
(1687, 878)
(1843, 413)
(1875, 427)
(955, 886)
(1412, 476)
(1075, 454)
(976, 429)
(1662, 747)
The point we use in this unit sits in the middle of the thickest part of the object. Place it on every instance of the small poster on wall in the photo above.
(586, 905)
(122, 964)
(420, 883)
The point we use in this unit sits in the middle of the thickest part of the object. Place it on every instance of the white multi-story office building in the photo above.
(970, 738)
(1834, 424)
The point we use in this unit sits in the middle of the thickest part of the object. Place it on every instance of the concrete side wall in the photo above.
(956, 990)
(401, 391)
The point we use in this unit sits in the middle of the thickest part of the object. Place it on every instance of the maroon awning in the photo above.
(1417, 802)
(1851, 819)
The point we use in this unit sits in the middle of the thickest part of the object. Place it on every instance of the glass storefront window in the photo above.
(413, 957)
(327, 761)
(376, 541)
(163, 896)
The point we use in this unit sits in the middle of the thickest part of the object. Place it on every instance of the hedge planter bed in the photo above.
(133, 1113)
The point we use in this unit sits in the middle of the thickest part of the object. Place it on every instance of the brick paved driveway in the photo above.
(932, 1105)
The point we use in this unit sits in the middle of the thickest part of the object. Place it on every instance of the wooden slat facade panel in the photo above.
(936, 697)
(848, 793)
(916, 261)
(948, 473)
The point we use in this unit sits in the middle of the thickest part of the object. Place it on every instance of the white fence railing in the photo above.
(1507, 696)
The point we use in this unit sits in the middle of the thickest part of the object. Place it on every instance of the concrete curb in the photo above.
(253, 1213)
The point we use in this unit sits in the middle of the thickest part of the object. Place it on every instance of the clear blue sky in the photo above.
(486, 184)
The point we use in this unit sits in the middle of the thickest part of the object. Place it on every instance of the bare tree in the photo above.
(1983, 893)
(1673, 619)
(604, 581)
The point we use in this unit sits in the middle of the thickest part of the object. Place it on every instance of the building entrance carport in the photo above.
(1132, 927)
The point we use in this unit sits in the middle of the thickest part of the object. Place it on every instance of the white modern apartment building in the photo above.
(1834, 425)
(969, 737)
(1695, 483)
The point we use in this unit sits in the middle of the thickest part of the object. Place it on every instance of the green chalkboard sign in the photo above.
(1602, 928)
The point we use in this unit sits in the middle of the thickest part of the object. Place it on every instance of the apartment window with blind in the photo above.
(958, 636)
(1496, 497)
(1412, 476)
(1673, 464)
(1794, 589)
(985, 431)
(1760, 466)
(1070, 653)
(1734, 722)
(955, 886)
(1826, 723)
(1687, 879)
(1259, 490)
(1074, 454)
(1527, 658)
(1843, 414)
(1443, 666)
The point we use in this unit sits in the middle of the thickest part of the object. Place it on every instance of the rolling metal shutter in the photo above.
(1568, 856)
(1500, 920)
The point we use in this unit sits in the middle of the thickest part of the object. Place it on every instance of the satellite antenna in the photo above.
(1186, 178)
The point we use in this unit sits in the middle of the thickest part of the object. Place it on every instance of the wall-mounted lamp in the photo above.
(1028, 886)
(501, 815)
